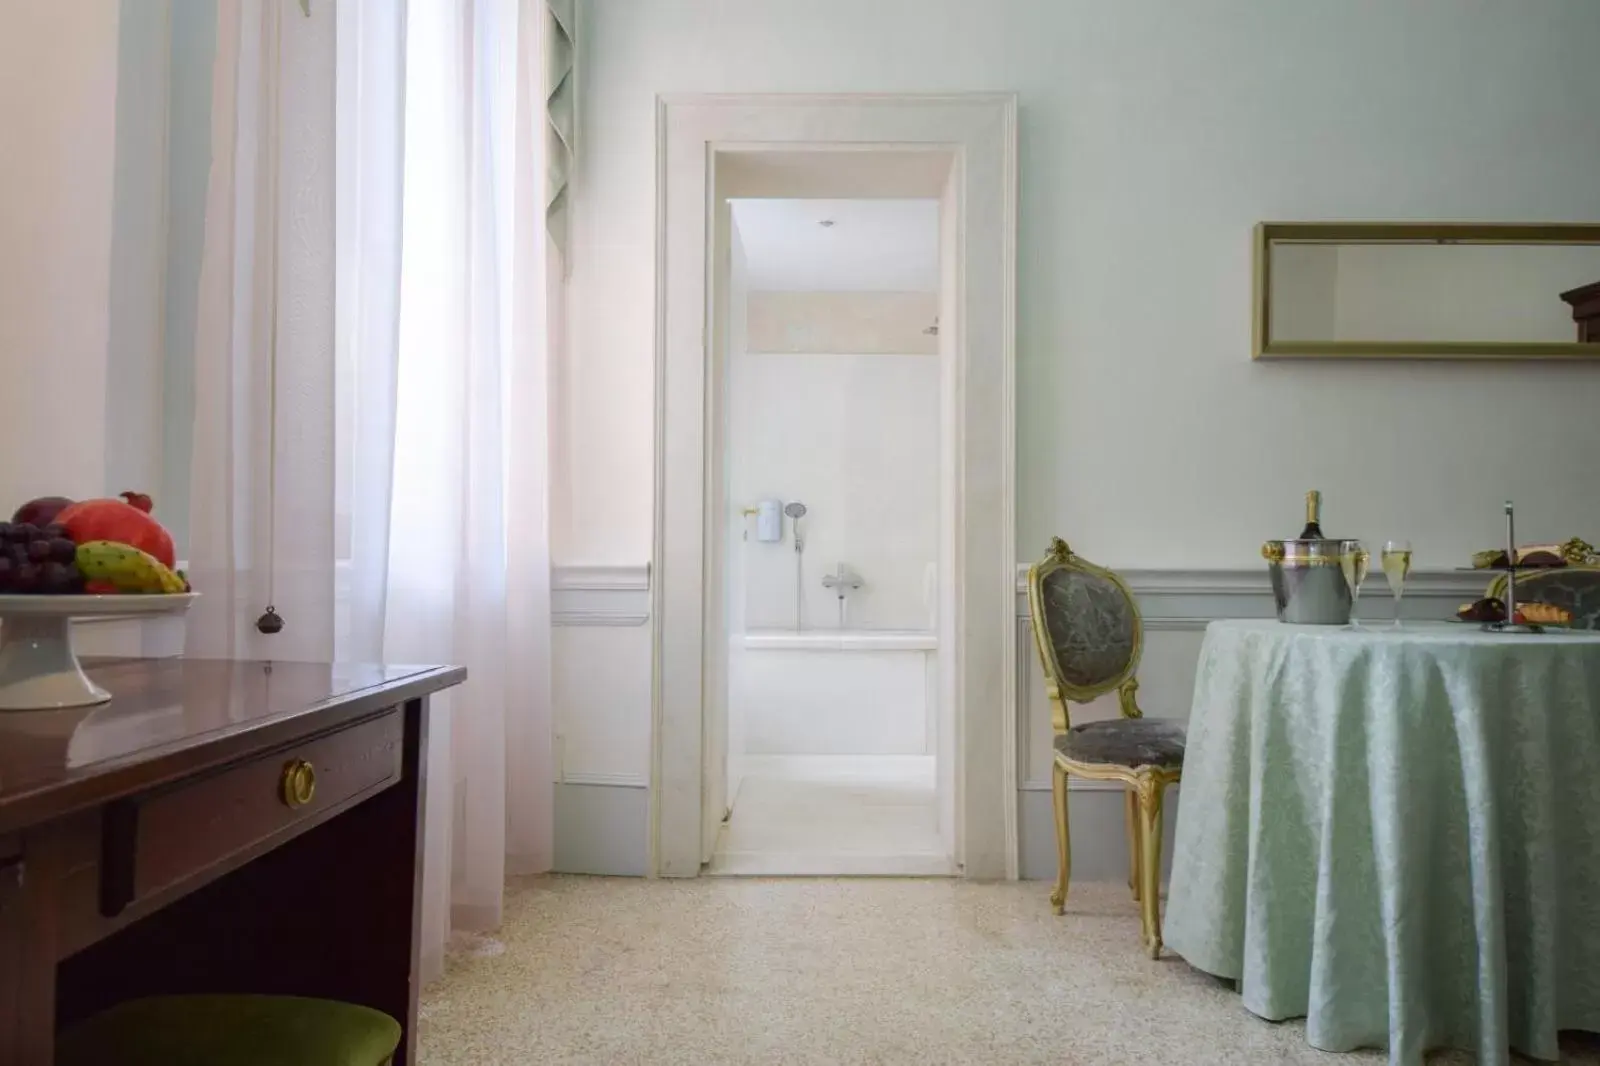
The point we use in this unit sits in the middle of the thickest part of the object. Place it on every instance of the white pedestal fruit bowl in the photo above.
(38, 668)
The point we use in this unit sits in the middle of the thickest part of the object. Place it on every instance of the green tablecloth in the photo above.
(1396, 834)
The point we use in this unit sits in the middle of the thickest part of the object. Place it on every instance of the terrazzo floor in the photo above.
(731, 970)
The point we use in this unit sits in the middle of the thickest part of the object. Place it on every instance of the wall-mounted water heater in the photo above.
(769, 521)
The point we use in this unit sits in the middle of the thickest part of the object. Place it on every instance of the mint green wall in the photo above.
(134, 344)
(194, 45)
(165, 51)
(1154, 135)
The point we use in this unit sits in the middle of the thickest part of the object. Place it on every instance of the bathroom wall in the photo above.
(856, 439)
(857, 323)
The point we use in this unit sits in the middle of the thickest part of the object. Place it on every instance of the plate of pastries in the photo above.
(1493, 609)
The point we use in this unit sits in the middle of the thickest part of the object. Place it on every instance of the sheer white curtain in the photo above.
(261, 472)
(443, 341)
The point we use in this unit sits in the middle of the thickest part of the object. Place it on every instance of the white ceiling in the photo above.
(872, 246)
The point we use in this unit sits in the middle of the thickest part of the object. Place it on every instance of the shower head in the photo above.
(796, 511)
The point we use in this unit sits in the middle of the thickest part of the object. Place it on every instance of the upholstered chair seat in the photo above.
(1125, 742)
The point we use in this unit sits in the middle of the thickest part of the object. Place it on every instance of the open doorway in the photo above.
(831, 431)
(892, 684)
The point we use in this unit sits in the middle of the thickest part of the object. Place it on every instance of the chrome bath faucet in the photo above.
(843, 582)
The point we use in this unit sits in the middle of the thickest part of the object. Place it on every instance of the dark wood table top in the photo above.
(169, 718)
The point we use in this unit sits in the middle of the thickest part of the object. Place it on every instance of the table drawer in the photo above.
(158, 841)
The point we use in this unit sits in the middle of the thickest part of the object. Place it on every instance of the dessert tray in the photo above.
(1512, 617)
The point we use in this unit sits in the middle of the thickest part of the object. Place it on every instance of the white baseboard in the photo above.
(1097, 832)
(602, 830)
(840, 864)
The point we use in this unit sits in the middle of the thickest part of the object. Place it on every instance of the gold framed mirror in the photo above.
(1426, 290)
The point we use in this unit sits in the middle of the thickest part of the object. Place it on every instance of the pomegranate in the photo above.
(125, 521)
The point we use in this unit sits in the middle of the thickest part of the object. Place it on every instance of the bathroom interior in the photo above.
(833, 397)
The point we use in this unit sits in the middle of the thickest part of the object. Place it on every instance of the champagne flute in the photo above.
(1397, 567)
(1353, 560)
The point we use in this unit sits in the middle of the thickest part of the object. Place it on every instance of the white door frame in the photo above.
(979, 130)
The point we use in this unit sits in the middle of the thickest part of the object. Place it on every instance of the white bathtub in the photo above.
(832, 692)
(839, 640)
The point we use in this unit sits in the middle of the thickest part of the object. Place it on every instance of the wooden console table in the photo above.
(219, 826)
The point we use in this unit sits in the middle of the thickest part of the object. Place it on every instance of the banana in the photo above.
(129, 569)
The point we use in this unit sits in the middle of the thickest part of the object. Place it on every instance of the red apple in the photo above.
(41, 512)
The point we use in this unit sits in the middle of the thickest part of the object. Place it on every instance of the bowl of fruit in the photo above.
(62, 559)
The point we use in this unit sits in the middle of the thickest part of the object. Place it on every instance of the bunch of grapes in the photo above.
(38, 559)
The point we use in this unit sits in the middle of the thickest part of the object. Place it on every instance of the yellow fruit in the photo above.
(129, 569)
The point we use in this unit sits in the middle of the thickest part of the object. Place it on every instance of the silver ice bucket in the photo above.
(1308, 582)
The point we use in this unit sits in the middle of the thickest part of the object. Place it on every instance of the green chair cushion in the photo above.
(231, 1031)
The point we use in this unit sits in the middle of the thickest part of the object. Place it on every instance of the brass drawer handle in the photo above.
(299, 783)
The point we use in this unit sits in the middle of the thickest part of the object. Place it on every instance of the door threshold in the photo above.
(824, 864)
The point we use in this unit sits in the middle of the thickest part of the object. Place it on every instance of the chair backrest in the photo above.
(1086, 626)
(1575, 586)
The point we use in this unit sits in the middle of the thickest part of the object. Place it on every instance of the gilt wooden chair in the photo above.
(1575, 586)
(1089, 635)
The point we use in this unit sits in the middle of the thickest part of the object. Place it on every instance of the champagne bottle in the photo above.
(1313, 530)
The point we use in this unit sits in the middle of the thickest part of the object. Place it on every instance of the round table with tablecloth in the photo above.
(1395, 833)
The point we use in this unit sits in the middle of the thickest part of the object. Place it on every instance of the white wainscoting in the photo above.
(601, 696)
(602, 707)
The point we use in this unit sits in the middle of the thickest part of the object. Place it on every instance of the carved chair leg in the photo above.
(1150, 790)
(1131, 820)
(1058, 794)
